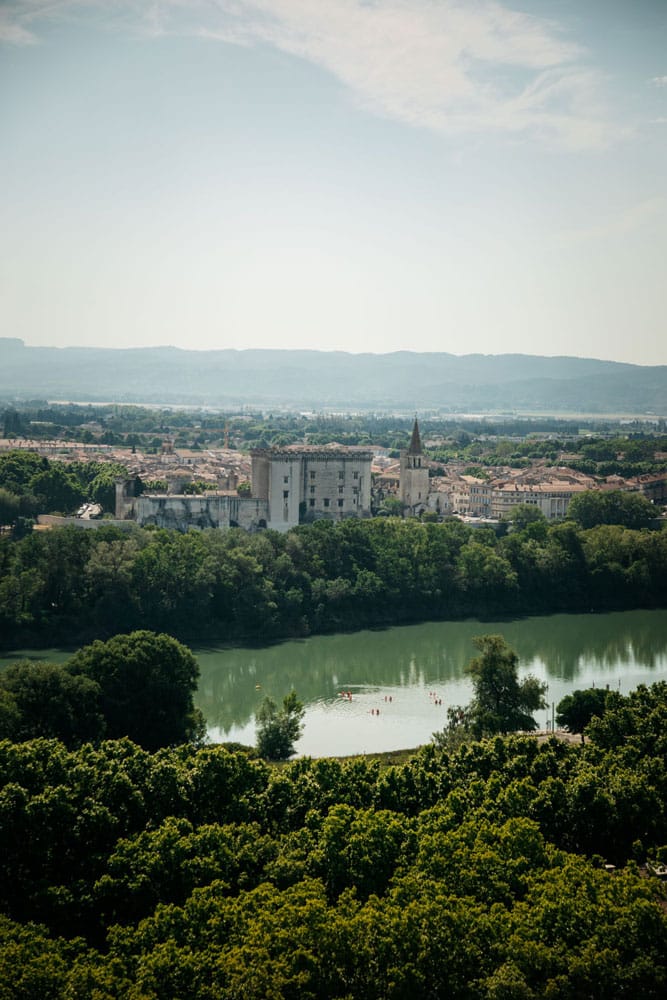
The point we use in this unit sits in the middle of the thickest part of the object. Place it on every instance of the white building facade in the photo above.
(301, 485)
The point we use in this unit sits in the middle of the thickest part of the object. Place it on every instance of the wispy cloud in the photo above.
(622, 222)
(659, 81)
(454, 66)
(20, 20)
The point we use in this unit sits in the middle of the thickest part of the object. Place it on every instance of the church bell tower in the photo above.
(414, 476)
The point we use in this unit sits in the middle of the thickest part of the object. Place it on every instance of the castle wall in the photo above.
(261, 467)
(124, 499)
(337, 485)
(183, 512)
(309, 484)
(285, 490)
(288, 487)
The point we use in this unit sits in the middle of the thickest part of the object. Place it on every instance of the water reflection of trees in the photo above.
(564, 643)
(320, 667)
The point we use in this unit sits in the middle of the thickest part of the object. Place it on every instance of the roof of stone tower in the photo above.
(415, 441)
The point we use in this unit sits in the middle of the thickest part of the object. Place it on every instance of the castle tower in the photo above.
(414, 476)
(124, 498)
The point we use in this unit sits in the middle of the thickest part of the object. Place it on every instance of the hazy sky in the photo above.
(361, 175)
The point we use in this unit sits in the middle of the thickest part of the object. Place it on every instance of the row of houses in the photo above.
(549, 489)
(293, 485)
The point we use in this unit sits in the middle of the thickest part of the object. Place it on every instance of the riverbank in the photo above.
(393, 758)
(403, 679)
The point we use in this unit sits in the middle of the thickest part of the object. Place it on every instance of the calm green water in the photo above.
(402, 672)
(406, 664)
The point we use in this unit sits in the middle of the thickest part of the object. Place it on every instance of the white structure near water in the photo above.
(290, 486)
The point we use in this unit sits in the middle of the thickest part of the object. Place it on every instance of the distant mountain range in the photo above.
(317, 380)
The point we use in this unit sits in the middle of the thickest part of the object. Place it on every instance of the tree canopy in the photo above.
(524, 514)
(68, 585)
(9, 507)
(576, 710)
(278, 729)
(146, 682)
(502, 703)
(472, 874)
(631, 510)
(47, 700)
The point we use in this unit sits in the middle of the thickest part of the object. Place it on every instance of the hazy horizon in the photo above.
(364, 176)
(331, 350)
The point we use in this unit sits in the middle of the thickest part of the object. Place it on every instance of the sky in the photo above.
(467, 176)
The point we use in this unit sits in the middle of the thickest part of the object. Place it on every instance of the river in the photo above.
(404, 673)
(401, 680)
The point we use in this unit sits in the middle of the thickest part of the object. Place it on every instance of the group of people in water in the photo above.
(347, 695)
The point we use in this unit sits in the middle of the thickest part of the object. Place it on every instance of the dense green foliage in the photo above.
(30, 485)
(9, 506)
(146, 683)
(632, 510)
(68, 585)
(278, 729)
(139, 685)
(45, 699)
(501, 703)
(473, 874)
(576, 710)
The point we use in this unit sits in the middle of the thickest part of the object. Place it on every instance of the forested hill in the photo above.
(317, 379)
(472, 874)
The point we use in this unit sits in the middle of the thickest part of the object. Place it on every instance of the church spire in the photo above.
(415, 441)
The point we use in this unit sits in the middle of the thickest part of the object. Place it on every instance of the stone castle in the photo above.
(290, 486)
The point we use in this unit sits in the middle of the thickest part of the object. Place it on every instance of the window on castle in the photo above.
(326, 501)
(340, 503)
(312, 475)
(285, 494)
(355, 475)
(341, 475)
(286, 479)
(312, 501)
(340, 489)
(312, 489)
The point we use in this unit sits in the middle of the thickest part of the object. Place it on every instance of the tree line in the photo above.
(30, 484)
(69, 586)
(608, 449)
(474, 873)
(140, 686)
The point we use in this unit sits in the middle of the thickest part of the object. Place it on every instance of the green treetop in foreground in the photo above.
(147, 683)
(279, 729)
(576, 710)
(476, 873)
(139, 685)
(502, 703)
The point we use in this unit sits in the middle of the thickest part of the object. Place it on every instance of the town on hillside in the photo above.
(282, 486)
